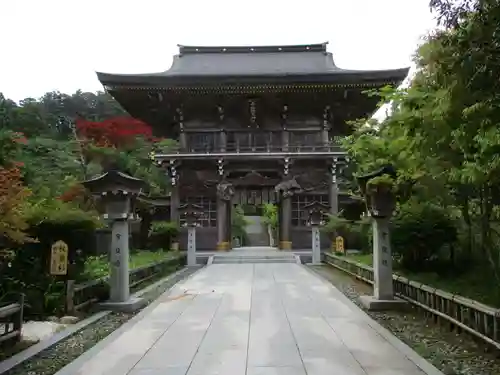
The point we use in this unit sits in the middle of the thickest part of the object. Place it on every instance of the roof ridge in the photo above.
(318, 47)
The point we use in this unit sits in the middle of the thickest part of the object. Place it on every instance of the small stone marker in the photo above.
(315, 212)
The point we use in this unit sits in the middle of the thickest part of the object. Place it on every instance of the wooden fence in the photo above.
(459, 313)
(81, 296)
(11, 322)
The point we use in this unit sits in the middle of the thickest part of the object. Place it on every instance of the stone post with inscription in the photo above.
(117, 192)
(379, 191)
(191, 213)
(315, 212)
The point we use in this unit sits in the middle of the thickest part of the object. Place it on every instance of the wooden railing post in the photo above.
(70, 297)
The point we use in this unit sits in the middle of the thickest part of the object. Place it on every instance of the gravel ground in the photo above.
(452, 353)
(51, 360)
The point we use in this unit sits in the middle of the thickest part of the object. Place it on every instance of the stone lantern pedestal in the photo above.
(118, 191)
(315, 212)
(378, 189)
(192, 214)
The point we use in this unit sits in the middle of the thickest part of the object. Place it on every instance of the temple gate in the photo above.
(254, 125)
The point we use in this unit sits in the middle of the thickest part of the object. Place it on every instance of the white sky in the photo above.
(59, 44)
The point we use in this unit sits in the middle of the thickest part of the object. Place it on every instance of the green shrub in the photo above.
(420, 233)
(162, 234)
(29, 267)
(270, 217)
(357, 234)
(238, 225)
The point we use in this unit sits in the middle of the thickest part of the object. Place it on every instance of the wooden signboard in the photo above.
(59, 258)
(339, 244)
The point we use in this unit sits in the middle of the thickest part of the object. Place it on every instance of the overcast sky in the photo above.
(59, 44)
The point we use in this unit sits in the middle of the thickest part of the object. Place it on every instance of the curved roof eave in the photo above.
(339, 76)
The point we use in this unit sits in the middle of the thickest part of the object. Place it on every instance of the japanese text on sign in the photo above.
(59, 258)
(339, 244)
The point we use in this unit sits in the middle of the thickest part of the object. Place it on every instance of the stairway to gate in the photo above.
(254, 254)
(256, 232)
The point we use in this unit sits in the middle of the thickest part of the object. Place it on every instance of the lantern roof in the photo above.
(387, 169)
(317, 206)
(115, 181)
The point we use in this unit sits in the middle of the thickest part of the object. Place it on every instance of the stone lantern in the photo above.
(117, 192)
(192, 214)
(380, 197)
(315, 212)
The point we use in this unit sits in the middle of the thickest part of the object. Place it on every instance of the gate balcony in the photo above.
(241, 145)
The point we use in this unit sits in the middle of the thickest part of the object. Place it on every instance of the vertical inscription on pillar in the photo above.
(116, 263)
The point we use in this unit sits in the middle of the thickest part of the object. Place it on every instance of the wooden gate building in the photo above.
(254, 125)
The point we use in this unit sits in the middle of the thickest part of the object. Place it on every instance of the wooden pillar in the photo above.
(333, 189)
(285, 135)
(285, 223)
(325, 132)
(182, 136)
(183, 141)
(225, 193)
(222, 141)
(222, 243)
(174, 199)
(229, 222)
(222, 134)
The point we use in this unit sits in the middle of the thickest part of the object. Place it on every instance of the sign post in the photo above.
(59, 258)
(339, 244)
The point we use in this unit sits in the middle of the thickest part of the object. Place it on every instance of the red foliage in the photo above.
(19, 138)
(12, 195)
(74, 193)
(117, 132)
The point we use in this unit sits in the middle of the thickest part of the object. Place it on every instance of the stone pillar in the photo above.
(379, 190)
(316, 245)
(191, 246)
(382, 260)
(119, 278)
(118, 192)
(222, 243)
(285, 223)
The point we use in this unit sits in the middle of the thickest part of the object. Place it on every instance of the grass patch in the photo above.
(474, 284)
(98, 266)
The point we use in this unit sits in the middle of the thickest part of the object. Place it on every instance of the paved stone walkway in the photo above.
(251, 319)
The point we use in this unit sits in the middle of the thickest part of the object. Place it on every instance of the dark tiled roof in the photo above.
(295, 63)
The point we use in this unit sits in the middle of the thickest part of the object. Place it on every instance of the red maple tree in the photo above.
(117, 132)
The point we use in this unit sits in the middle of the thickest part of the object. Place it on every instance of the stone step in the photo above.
(224, 260)
(257, 257)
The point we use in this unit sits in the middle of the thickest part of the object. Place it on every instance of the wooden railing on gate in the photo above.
(83, 295)
(11, 322)
(460, 313)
